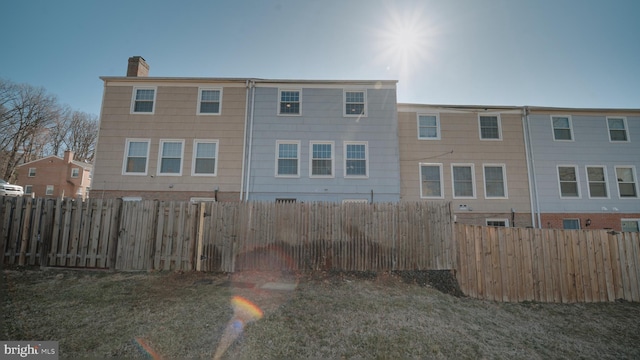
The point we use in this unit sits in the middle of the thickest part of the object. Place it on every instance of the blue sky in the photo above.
(567, 53)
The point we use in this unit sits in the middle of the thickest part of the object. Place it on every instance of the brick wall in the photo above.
(598, 220)
(478, 218)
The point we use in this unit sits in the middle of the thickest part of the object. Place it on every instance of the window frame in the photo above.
(128, 142)
(499, 120)
(50, 189)
(280, 91)
(504, 181)
(635, 181)
(473, 180)
(277, 160)
(364, 104)
(160, 157)
(441, 180)
(637, 221)
(577, 181)
(366, 159)
(28, 189)
(194, 156)
(77, 172)
(438, 132)
(504, 220)
(606, 181)
(30, 174)
(553, 129)
(626, 129)
(199, 108)
(333, 162)
(572, 219)
(134, 97)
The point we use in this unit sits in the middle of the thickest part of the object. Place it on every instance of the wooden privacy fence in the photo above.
(548, 265)
(326, 236)
(226, 236)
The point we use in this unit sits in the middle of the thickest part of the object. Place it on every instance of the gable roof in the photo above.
(77, 163)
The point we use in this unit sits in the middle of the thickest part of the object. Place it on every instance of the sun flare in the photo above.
(405, 41)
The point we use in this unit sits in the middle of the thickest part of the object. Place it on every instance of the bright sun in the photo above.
(404, 41)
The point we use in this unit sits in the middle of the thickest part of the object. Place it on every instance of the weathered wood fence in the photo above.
(226, 237)
(548, 265)
(502, 264)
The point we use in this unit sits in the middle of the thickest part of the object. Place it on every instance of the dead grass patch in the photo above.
(331, 316)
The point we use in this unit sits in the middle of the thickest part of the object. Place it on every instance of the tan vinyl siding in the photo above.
(460, 134)
(175, 117)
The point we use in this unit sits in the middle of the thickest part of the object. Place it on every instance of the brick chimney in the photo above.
(68, 156)
(137, 67)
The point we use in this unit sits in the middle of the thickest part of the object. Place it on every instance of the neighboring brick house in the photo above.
(55, 177)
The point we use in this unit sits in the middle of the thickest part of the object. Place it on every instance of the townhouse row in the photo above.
(245, 139)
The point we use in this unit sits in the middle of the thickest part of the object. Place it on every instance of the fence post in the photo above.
(200, 237)
(24, 241)
(114, 234)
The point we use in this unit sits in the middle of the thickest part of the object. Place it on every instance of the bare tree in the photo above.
(26, 111)
(81, 135)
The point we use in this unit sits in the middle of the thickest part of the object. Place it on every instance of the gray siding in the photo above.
(590, 147)
(322, 120)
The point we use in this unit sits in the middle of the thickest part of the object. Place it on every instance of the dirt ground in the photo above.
(409, 315)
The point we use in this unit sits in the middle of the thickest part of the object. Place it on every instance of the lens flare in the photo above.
(244, 312)
(146, 349)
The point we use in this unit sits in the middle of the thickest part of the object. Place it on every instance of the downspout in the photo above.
(244, 139)
(253, 102)
(533, 184)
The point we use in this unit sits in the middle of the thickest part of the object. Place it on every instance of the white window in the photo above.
(287, 158)
(597, 179)
(49, 190)
(289, 102)
(490, 127)
(568, 179)
(205, 156)
(571, 224)
(631, 225)
(463, 180)
(355, 103)
(429, 126)
(201, 199)
(75, 172)
(431, 186)
(497, 222)
(617, 129)
(356, 159)
(562, 129)
(209, 101)
(355, 201)
(28, 189)
(136, 157)
(321, 159)
(170, 157)
(143, 101)
(627, 185)
(32, 172)
(495, 184)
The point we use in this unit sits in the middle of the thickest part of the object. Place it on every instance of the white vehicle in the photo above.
(7, 189)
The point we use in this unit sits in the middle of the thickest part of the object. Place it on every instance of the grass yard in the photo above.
(96, 314)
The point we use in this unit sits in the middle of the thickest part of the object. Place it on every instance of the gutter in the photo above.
(244, 139)
(252, 84)
(533, 184)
